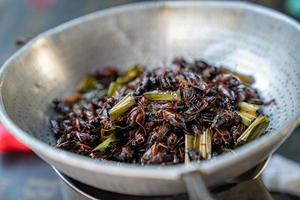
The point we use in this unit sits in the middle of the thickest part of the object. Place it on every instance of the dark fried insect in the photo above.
(186, 112)
(172, 118)
(136, 116)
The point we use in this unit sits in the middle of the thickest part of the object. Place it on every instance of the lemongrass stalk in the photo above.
(196, 142)
(113, 88)
(248, 107)
(261, 129)
(205, 144)
(163, 96)
(130, 75)
(246, 118)
(256, 129)
(122, 107)
(87, 84)
(188, 144)
(106, 132)
(102, 146)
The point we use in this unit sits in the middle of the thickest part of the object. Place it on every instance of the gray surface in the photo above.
(290, 150)
(25, 177)
(291, 147)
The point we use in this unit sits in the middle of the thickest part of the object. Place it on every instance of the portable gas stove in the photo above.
(246, 186)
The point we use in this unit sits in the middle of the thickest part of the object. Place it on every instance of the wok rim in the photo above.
(130, 170)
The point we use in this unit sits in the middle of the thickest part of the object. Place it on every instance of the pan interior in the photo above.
(248, 42)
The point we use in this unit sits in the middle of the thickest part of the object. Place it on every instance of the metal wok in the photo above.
(246, 37)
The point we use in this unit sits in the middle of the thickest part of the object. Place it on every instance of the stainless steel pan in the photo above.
(246, 37)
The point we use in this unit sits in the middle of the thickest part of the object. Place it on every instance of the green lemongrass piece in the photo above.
(261, 129)
(205, 144)
(163, 96)
(106, 132)
(196, 142)
(246, 119)
(248, 80)
(113, 88)
(249, 115)
(102, 146)
(87, 84)
(122, 107)
(131, 74)
(256, 129)
(248, 107)
(188, 144)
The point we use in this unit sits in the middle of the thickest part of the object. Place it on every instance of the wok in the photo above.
(246, 37)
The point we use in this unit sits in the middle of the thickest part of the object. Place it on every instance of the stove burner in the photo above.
(72, 189)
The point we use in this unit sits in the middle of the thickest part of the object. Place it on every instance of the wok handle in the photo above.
(196, 187)
(251, 189)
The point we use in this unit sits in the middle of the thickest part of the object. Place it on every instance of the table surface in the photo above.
(25, 176)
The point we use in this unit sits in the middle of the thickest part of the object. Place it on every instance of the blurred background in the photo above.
(22, 174)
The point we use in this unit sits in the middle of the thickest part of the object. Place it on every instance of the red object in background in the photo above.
(42, 4)
(9, 143)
